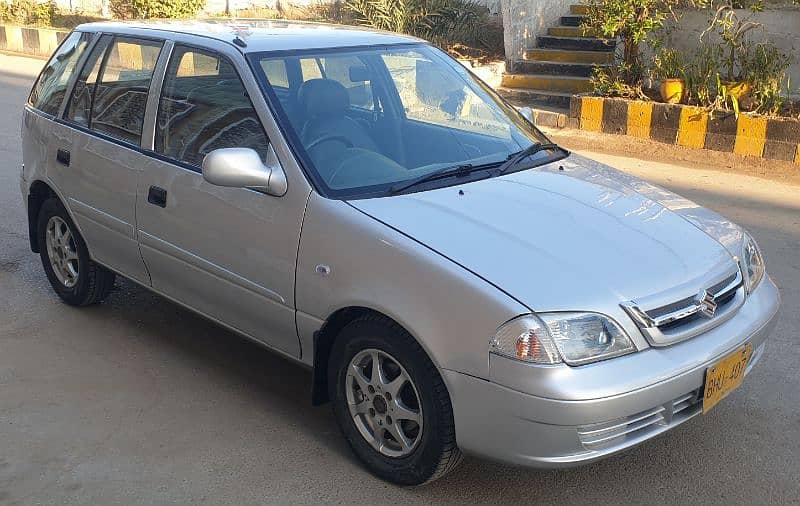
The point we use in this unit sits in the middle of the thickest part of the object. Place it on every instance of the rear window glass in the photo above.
(79, 107)
(120, 95)
(49, 90)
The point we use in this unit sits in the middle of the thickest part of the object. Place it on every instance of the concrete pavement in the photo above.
(139, 401)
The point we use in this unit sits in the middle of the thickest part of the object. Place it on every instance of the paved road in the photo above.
(140, 401)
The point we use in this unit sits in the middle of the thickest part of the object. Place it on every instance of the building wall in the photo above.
(523, 20)
(780, 25)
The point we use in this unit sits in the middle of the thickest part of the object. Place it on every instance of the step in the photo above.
(574, 43)
(570, 31)
(554, 68)
(572, 20)
(536, 98)
(560, 55)
(579, 9)
(544, 82)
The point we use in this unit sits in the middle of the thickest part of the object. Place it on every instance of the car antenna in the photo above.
(239, 42)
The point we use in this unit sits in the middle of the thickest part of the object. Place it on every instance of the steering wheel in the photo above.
(332, 137)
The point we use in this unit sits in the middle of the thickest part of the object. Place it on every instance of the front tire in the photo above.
(75, 278)
(391, 403)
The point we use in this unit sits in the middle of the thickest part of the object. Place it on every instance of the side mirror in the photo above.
(243, 168)
(527, 112)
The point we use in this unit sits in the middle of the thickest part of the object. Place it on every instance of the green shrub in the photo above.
(154, 9)
(28, 12)
(766, 71)
(669, 64)
(615, 81)
(633, 21)
(701, 76)
(443, 22)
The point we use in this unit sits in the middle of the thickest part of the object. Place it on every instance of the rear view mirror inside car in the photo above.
(359, 73)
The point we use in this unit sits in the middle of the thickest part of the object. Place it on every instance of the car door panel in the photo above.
(104, 166)
(228, 253)
(102, 197)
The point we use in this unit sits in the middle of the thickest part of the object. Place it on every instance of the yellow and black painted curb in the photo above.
(694, 127)
(30, 41)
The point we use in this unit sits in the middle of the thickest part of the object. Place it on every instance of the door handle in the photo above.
(62, 157)
(157, 196)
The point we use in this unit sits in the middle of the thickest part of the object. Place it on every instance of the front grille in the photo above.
(667, 323)
(641, 425)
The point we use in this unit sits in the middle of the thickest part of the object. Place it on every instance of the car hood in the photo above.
(576, 235)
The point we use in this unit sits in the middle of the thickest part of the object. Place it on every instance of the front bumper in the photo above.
(561, 416)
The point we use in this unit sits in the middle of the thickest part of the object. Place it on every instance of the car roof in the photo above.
(260, 34)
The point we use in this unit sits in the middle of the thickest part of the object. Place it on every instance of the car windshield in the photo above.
(367, 121)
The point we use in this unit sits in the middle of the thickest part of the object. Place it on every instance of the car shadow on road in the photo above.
(275, 381)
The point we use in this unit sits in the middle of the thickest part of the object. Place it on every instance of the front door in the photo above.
(228, 253)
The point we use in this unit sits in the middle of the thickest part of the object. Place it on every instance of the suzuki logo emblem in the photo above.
(706, 303)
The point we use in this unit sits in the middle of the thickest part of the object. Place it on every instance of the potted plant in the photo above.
(669, 68)
(765, 69)
(735, 48)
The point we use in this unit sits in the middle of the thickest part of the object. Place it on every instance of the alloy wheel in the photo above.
(62, 251)
(384, 403)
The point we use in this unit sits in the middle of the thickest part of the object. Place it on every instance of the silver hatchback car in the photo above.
(360, 203)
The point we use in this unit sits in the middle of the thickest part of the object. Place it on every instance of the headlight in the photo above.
(550, 338)
(752, 263)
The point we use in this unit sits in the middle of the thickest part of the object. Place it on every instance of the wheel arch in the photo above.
(326, 336)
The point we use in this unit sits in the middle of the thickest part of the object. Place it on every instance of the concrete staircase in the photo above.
(559, 66)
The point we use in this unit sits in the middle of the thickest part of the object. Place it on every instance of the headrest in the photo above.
(323, 97)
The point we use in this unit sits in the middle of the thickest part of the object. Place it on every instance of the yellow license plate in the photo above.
(725, 376)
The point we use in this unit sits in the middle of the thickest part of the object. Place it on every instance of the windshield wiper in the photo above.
(462, 169)
(515, 158)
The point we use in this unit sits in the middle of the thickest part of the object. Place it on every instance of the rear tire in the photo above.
(75, 277)
(365, 418)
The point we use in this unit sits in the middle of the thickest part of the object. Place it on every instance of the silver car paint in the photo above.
(450, 275)
(726, 232)
(451, 312)
(244, 168)
(581, 244)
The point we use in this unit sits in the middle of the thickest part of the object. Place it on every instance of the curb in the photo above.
(693, 127)
(41, 42)
(549, 119)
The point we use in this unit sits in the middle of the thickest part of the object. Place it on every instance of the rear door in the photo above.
(40, 129)
(228, 253)
(101, 148)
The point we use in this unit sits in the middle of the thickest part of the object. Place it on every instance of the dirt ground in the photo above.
(772, 170)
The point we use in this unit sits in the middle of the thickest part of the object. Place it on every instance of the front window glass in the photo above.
(204, 106)
(431, 94)
(345, 70)
(368, 120)
(49, 90)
